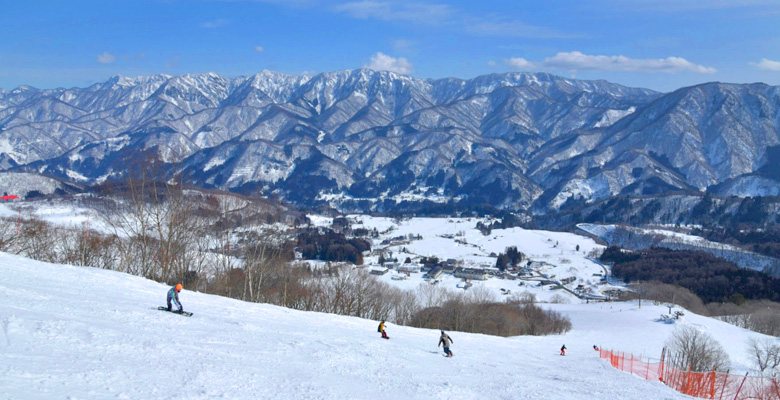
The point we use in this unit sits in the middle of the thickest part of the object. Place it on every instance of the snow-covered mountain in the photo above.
(510, 140)
(27, 185)
(693, 138)
(74, 332)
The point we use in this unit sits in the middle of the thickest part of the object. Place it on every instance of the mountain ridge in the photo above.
(514, 140)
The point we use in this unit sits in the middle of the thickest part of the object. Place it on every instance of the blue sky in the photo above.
(658, 44)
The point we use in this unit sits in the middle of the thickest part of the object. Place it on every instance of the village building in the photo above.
(471, 273)
(435, 273)
(377, 270)
(409, 268)
(447, 268)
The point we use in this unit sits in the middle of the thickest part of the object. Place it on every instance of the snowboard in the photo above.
(184, 313)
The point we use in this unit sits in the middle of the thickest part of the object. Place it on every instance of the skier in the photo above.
(173, 297)
(446, 340)
(382, 329)
(563, 350)
(595, 347)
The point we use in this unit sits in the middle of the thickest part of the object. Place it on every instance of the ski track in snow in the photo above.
(72, 332)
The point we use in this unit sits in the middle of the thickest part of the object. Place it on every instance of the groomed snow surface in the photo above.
(83, 333)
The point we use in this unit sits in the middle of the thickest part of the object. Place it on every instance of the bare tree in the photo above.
(430, 295)
(480, 294)
(456, 311)
(525, 297)
(261, 256)
(670, 295)
(7, 233)
(37, 241)
(766, 321)
(766, 354)
(691, 348)
(406, 307)
(559, 299)
(760, 316)
(155, 219)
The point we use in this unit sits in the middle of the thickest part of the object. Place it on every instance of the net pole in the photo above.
(740, 386)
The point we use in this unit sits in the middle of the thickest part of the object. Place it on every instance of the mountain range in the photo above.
(512, 140)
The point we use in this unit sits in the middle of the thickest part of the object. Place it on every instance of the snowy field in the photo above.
(557, 250)
(71, 332)
(56, 212)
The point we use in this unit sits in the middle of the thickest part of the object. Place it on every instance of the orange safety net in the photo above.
(705, 385)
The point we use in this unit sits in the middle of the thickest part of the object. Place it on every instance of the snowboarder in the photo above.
(446, 340)
(382, 329)
(173, 298)
(563, 350)
(595, 347)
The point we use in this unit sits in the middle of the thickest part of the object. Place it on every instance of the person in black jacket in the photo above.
(446, 340)
(563, 350)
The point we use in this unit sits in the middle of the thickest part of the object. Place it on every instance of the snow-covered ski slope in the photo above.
(84, 333)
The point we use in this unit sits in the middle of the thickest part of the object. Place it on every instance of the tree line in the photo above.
(709, 277)
(328, 245)
(764, 241)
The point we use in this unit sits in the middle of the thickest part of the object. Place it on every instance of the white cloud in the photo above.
(214, 24)
(383, 62)
(491, 63)
(419, 13)
(767, 65)
(520, 63)
(259, 49)
(577, 61)
(106, 58)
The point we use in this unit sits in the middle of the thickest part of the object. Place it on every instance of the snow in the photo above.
(71, 332)
(75, 175)
(6, 212)
(415, 194)
(612, 116)
(22, 183)
(61, 214)
(751, 186)
(458, 238)
(6, 147)
(56, 213)
(592, 188)
(75, 332)
(214, 162)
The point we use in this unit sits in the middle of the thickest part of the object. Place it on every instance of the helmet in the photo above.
(442, 332)
(178, 287)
